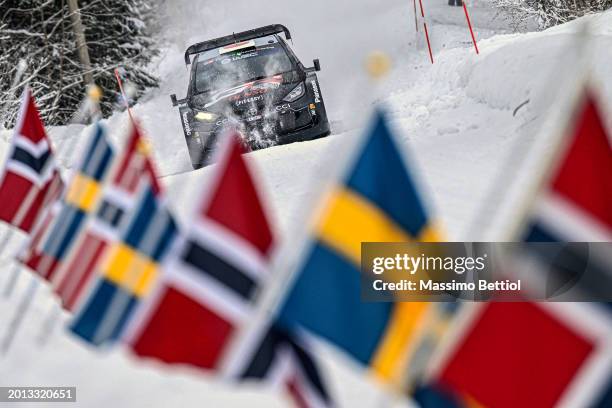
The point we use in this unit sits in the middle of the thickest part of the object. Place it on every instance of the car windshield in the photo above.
(237, 67)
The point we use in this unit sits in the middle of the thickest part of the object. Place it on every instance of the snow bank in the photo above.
(512, 69)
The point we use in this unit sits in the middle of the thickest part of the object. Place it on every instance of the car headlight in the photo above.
(206, 116)
(296, 93)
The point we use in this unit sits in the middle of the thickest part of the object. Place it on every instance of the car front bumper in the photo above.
(280, 125)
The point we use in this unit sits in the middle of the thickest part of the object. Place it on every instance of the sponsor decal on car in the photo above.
(237, 46)
(282, 108)
(315, 90)
(247, 93)
(313, 110)
(186, 125)
(249, 100)
(254, 118)
(246, 90)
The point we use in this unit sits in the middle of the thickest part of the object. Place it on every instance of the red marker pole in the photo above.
(416, 23)
(426, 32)
(123, 95)
(467, 17)
(428, 43)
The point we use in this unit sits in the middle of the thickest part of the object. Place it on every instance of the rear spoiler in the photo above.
(235, 38)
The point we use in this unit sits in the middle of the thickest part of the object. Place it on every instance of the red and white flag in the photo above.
(31, 180)
(544, 354)
(526, 355)
(575, 204)
(210, 286)
(283, 361)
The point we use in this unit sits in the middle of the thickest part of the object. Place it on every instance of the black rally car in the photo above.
(254, 81)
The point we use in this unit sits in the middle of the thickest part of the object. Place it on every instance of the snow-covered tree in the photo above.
(548, 13)
(117, 35)
(40, 32)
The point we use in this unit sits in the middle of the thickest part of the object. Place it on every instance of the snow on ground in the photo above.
(455, 117)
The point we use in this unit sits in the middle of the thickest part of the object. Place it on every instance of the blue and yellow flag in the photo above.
(80, 200)
(376, 202)
(128, 272)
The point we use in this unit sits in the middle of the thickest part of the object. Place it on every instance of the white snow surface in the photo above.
(455, 119)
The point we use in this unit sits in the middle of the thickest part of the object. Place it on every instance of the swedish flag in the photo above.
(128, 271)
(376, 202)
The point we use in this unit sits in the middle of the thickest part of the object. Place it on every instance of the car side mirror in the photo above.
(316, 68)
(173, 99)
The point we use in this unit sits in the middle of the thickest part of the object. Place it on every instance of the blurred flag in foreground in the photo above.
(576, 203)
(376, 201)
(542, 354)
(129, 270)
(210, 285)
(283, 360)
(523, 354)
(31, 180)
(45, 254)
(117, 201)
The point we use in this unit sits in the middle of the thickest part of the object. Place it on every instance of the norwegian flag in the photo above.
(281, 361)
(576, 203)
(543, 354)
(524, 355)
(209, 288)
(30, 180)
(118, 200)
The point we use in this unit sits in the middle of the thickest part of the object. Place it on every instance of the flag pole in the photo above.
(22, 308)
(28, 297)
(12, 282)
(416, 22)
(6, 237)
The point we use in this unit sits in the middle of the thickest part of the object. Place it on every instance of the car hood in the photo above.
(261, 92)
